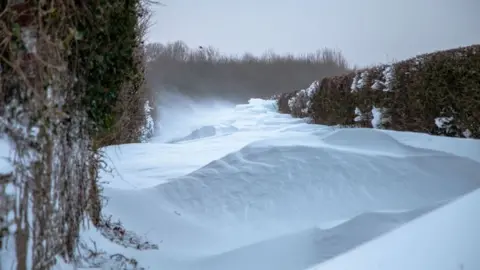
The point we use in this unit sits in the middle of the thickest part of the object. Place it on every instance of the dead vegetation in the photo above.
(89, 255)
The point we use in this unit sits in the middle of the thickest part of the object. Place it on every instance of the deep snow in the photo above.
(243, 187)
(445, 239)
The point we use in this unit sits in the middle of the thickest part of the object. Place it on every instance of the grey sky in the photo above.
(367, 32)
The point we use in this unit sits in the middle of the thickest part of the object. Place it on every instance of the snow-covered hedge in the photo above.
(436, 93)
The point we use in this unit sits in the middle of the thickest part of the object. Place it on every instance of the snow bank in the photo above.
(311, 246)
(445, 239)
(374, 142)
(268, 182)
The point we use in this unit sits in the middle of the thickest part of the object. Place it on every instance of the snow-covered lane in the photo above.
(228, 187)
(251, 186)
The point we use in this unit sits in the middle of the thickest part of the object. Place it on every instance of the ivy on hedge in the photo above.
(103, 56)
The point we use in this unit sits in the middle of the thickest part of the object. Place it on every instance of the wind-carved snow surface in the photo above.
(443, 240)
(243, 187)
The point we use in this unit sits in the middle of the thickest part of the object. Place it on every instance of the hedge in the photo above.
(436, 93)
(71, 81)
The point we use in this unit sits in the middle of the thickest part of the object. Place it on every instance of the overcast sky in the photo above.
(367, 32)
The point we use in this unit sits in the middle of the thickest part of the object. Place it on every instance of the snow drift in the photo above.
(442, 240)
(249, 188)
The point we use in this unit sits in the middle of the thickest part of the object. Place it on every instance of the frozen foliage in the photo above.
(89, 256)
(377, 85)
(379, 118)
(149, 129)
(300, 103)
(386, 82)
(418, 63)
(389, 77)
(467, 133)
(363, 77)
(116, 232)
(448, 125)
(353, 86)
(29, 37)
(359, 116)
(359, 81)
(42, 137)
(444, 122)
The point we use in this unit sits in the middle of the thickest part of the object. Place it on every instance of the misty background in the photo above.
(201, 73)
(363, 32)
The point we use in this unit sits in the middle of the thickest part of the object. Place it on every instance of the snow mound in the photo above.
(303, 249)
(295, 183)
(444, 239)
(207, 131)
(372, 141)
(456, 146)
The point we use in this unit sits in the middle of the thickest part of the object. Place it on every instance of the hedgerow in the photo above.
(436, 93)
(71, 79)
